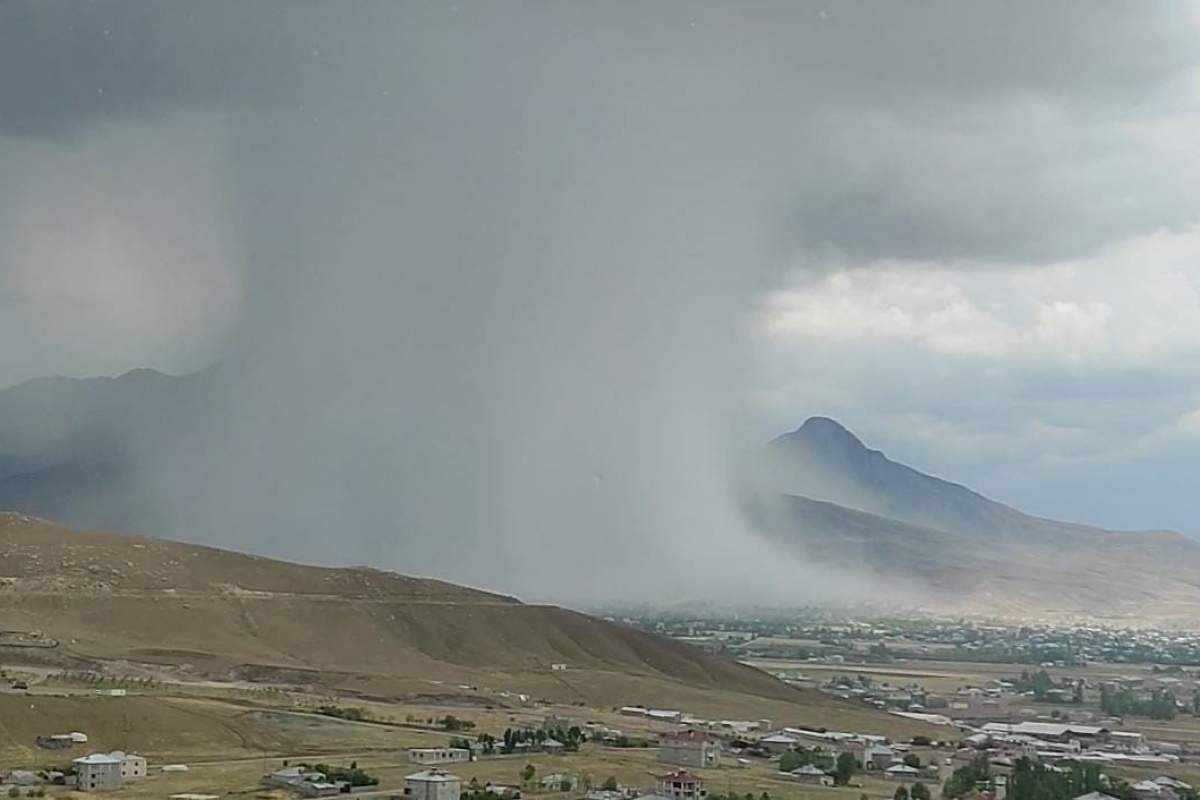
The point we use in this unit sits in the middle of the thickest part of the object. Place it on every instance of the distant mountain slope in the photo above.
(829, 499)
(825, 461)
(69, 447)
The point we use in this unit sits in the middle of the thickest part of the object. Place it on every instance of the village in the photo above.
(990, 739)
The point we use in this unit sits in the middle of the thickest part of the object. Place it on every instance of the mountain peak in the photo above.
(828, 427)
(826, 434)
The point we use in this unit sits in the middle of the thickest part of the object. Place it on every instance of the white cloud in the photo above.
(1135, 304)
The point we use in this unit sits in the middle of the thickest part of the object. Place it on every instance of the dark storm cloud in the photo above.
(67, 65)
(486, 268)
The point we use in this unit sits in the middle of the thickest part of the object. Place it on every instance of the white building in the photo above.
(133, 766)
(902, 772)
(432, 784)
(810, 774)
(99, 772)
(21, 777)
(878, 756)
(694, 749)
(555, 781)
(438, 755)
(778, 743)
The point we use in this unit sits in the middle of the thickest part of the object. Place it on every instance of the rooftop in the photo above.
(98, 758)
(431, 776)
(681, 775)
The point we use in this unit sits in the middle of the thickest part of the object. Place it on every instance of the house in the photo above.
(133, 766)
(605, 794)
(554, 722)
(438, 755)
(902, 772)
(694, 749)
(680, 785)
(21, 777)
(553, 747)
(99, 772)
(1095, 796)
(432, 784)
(555, 782)
(503, 789)
(878, 756)
(810, 774)
(309, 783)
(1170, 783)
(778, 743)
(1127, 740)
(1149, 790)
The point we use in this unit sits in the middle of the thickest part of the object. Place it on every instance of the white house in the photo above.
(99, 772)
(555, 781)
(438, 755)
(902, 772)
(133, 766)
(810, 774)
(694, 749)
(432, 784)
(878, 756)
(778, 743)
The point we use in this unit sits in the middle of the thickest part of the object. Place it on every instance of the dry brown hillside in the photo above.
(109, 598)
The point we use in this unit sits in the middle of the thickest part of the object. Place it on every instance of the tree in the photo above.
(919, 791)
(966, 779)
(844, 768)
(528, 773)
(791, 761)
(912, 760)
(566, 784)
(901, 793)
(610, 784)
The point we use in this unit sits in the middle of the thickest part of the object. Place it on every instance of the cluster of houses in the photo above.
(673, 717)
(1060, 741)
(437, 784)
(307, 782)
(700, 749)
(97, 772)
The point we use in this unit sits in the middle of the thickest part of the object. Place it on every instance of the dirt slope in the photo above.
(108, 597)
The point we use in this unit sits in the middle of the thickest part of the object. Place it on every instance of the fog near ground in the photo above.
(481, 279)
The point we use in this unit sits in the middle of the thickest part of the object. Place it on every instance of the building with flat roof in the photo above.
(133, 766)
(432, 784)
(99, 772)
(694, 749)
(438, 755)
